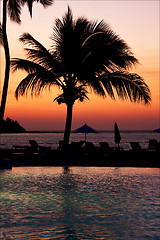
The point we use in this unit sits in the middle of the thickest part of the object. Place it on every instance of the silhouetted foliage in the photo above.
(11, 126)
(12, 8)
(84, 55)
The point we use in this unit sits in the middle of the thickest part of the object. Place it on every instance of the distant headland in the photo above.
(11, 126)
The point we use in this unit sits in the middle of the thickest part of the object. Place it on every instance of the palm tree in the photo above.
(84, 55)
(13, 8)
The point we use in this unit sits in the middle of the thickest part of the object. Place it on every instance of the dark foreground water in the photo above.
(82, 203)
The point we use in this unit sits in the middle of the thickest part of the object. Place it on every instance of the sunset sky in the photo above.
(137, 22)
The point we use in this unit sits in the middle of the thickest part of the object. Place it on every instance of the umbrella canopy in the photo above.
(85, 129)
(117, 136)
(157, 130)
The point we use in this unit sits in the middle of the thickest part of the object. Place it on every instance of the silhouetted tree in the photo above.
(84, 55)
(13, 9)
(11, 126)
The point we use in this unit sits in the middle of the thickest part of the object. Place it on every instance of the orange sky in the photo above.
(136, 22)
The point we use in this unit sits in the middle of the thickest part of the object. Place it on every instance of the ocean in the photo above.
(51, 139)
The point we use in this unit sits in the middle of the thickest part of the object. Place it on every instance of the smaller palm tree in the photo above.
(84, 55)
(12, 8)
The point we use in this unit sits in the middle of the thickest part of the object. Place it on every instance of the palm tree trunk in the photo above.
(68, 125)
(7, 58)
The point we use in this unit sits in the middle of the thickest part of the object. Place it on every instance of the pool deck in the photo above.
(90, 158)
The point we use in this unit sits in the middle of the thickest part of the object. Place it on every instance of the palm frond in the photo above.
(91, 26)
(24, 86)
(96, 86)
(14, 10)
(35, 83)
(63, 35)
(102, 26)
(68, 18)
(41, 77)
(22, 64)
(107, 49)
(45, 3)
(129, 86)
(107, 86)
(27, 39)
(81, 31)
(29, 3)
(40, 55)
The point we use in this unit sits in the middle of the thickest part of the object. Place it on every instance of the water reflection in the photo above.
(80, 203)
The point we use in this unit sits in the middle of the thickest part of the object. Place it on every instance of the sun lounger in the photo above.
(153, 143)
(17, 147)
(77, 145)
(135, 146)
(105, 147)
(20, 148)
(89, 146)
(35, 146)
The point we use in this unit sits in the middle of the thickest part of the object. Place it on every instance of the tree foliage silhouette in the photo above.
(84, 55)
(11, 126)
(13, 9)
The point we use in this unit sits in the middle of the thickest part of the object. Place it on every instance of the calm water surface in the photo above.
(82, 203)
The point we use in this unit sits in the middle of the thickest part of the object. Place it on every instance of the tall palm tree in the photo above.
(13, 9)
(84, 55)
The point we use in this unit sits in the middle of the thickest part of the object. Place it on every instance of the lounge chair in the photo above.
(35, 146)
(77, 145)
(105, 147)
(90, 146)
(153, 143)
(135, 146)
(18, 148)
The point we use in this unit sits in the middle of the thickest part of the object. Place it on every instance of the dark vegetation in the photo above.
(11, 126)
(85, 56)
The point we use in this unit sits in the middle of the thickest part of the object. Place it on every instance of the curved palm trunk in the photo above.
(7, 58)
(68, 125)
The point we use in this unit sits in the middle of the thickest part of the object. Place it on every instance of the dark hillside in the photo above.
(11, 126)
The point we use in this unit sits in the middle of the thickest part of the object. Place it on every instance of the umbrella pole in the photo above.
(85, 137)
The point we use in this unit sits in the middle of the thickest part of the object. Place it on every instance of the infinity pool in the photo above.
(82, 203)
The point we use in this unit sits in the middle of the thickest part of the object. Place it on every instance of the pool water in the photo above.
(81, 203)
